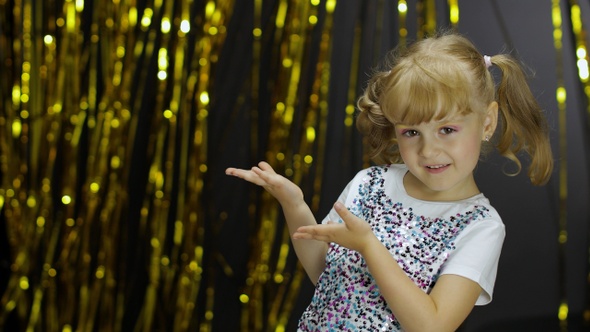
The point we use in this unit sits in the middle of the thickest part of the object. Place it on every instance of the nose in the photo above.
(429, 147)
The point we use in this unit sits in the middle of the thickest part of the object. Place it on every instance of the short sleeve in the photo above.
(477, 254)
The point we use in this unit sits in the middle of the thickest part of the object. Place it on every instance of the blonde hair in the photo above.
(444, 75)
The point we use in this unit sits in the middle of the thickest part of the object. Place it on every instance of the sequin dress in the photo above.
(427, 239)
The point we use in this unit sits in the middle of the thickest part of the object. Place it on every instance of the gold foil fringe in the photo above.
(73, 82)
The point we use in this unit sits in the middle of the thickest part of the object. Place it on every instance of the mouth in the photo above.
(437, 168)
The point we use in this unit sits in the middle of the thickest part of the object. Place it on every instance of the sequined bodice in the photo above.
(347, 297)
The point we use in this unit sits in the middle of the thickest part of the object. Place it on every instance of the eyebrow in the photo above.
(441, 121)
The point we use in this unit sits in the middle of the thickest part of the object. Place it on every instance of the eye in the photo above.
(447, 130)
(409, 133)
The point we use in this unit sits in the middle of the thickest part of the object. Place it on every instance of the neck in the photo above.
(416, 189)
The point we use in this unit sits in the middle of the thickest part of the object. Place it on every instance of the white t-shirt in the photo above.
(427, 239)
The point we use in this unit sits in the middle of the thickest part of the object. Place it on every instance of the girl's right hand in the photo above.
(285, 191)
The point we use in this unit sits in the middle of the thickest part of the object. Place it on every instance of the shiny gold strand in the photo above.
(580, 35)
(48, 114)
(294, 22)
(214, 31)
(426, 10)
(281, 278)
(156, 202)
(319, 100)
(12, 128)
(13, 181)
(124, 34)
(454, 13)
(352, 93)
(186, 255)
(53, 108)
(560, 95)
(187, 244)
(19, 186)
(402, 13)
(312, 145)
(104, 191)
(292, 38)
(252, 296)
(581, 47)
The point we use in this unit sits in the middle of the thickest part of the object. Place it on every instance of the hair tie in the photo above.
(487, 60)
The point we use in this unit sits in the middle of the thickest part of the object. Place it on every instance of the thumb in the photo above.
(342, 211)
(352, 221)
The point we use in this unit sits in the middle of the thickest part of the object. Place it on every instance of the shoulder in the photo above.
(389, 170)
(489, 213)
(485, 223)
(374, 179)
(475, 217)
(386, 177)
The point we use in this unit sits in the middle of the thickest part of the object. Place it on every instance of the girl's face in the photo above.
(441, 155)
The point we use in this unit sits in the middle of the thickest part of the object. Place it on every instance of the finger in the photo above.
(304, 235)
(235, 171)
(266, 167)
(264, 170)
(342, 211)
(246, 175)
(350, 220)
(323, 230)
(265, 175)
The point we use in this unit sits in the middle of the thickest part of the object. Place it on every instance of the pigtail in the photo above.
(373, 124)
(522, 123)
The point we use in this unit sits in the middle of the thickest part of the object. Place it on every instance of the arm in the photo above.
(297, 214)
(444, 309)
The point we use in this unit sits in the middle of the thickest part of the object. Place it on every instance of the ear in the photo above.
(490, 121)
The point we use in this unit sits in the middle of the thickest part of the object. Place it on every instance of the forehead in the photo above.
(438, 119)
(424, 108)
(425, 88)
(413, 97)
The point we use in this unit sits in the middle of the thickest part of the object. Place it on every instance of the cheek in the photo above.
(405, 150)
(470, 148)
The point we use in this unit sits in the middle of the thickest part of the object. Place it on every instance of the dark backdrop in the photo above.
(536, 273)
(528, 287)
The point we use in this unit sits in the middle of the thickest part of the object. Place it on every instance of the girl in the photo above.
(413, 245)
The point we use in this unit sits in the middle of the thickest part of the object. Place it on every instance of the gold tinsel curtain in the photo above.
(117, 119)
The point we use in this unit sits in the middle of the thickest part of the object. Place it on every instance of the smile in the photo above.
(437, 169)
(437, 166)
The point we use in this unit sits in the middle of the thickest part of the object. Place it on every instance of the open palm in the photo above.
(285, 191)
(354, 233)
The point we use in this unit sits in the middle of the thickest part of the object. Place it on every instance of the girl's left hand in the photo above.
(354, 233)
